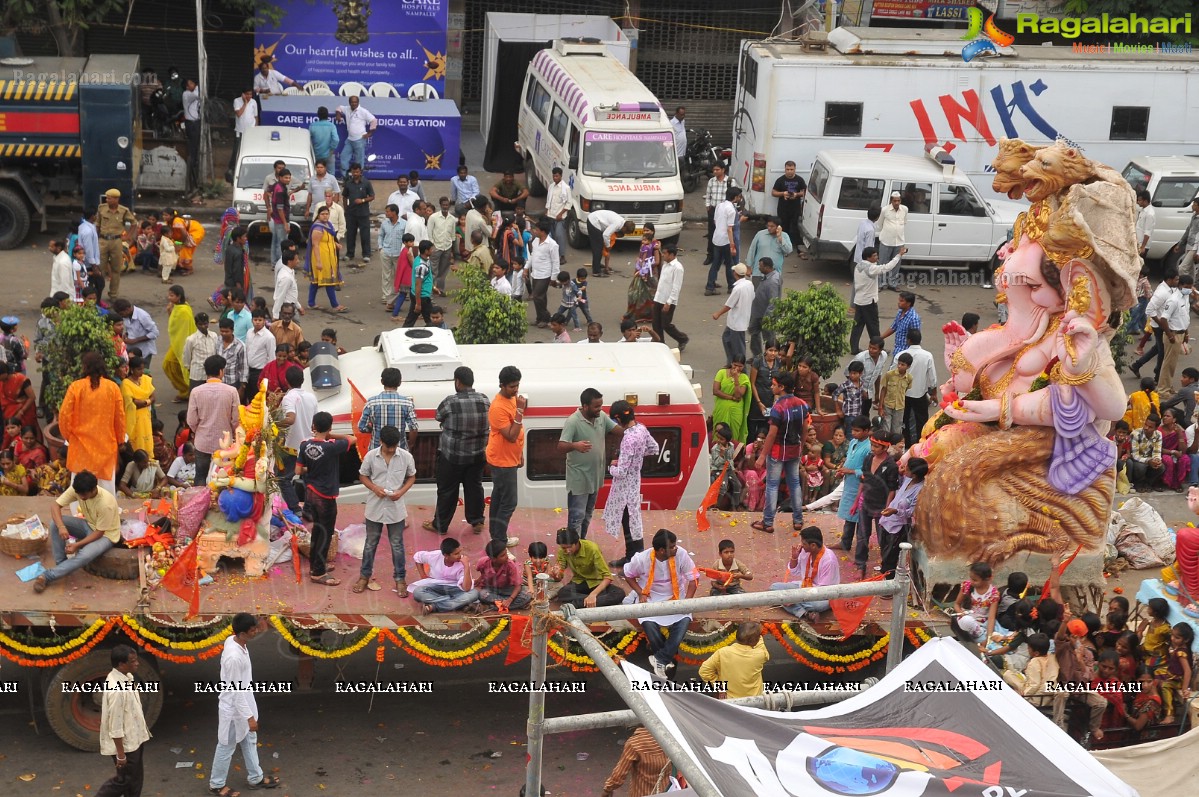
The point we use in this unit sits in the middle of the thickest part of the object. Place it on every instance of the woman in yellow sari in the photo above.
(138, 390)
(180, 325)
(322, 267)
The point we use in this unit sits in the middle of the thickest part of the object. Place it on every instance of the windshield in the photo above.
(253, 175)
(629, 155)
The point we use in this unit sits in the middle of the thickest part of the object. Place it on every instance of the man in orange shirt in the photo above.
(505, 451)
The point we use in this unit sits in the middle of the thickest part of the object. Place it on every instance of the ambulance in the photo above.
(582, 110)
(647, 375)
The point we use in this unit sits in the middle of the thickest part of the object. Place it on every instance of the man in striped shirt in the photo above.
(643, 764)
(389, 408)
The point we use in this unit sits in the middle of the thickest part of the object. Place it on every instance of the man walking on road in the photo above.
(505, 451)
(739, 305)
(773, 242)
(115, 223)
(769, 289)
(678, 123)
(1146, 221)
(358, 193)
(461, 452)
(1153, 311)
(123, 731)
(542, 266)
(1176, 322)
(724, 246)
(714, 194)
(557, 205)
(666, 296)
(865, 294)
(790, 189)
(441, 227)
(237, 723)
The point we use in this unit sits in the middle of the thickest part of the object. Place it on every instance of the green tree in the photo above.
(818, 322)
(484, 314)
(79, 329)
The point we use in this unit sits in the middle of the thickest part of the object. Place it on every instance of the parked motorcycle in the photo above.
(701, 156)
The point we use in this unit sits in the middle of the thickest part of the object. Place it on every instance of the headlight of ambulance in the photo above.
(670, 207)
(244, 207)
(598, 205)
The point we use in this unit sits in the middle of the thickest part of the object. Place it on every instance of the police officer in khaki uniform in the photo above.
(116, 223)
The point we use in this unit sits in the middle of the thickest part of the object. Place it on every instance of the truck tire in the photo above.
(75, 716)
(536, 188)
(574, 235)
(118, 564)
(15, 218)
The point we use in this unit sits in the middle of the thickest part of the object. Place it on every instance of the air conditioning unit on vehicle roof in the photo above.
(422, 354)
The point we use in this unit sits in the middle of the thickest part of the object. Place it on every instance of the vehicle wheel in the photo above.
(574, 235)
(535, 186)
(14, 219)
(119, 564)
(75, 716)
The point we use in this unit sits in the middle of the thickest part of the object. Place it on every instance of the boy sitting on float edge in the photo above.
(446, 583)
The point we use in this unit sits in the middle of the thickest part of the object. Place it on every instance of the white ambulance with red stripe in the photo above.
(552, 377)
(583, 110)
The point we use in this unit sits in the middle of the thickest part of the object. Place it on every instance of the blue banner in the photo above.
(397, 43)
(411, 135)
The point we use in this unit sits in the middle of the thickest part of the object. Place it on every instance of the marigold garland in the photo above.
(484, 647)
(196, 645)
(316, 653)
(142, 643)
(78, 653)
(800, 650)
(704, 645)
(581, 662)
(53, 650)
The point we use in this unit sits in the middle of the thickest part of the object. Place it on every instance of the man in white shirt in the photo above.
(1176, 321)
(718, 185)
(245, 112)
(811, 565)
(602, 228)
(298, 406)
(140, 330)
(865, 294)
(463, 189)
(268, 80)
(890, 227)
(322, 185)
(543, 265)
(652, 579)
(286, 287)
(724, 248)
(1146, 220)
(739, 305)
(417, 221)
(666, 296)
(260, 350)
(199, 346)
(441, 227)
(237, 714)
(678, 123)
(62, 270)
(123, 730)
(403, 197)
(360, 126)
(874, 363)
(191, 126)
(557, 205)
(923, 390)
(1154, 311)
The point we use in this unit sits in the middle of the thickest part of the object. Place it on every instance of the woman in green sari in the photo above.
(731, 387)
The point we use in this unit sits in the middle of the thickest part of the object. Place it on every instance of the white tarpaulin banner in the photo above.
(1164, 768)
(940, 724)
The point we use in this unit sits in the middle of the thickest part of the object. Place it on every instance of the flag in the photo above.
(183, 578)
(710, 498)
(518, 639)
(850, 611)
(1060, 570)
(357, 404)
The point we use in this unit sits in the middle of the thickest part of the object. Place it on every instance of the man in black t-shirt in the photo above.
(319, 462)
(790, 189)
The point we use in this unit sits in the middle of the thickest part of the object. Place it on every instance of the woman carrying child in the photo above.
(644, 281)
(722, 465)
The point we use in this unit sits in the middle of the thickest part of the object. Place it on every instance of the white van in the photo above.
(552, 377)
(584, 111)
(948, 221)
(1172, 182)
(260, 148)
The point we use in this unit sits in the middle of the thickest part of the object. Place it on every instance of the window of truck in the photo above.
(958, 200)
(629, 154)
(252, 173)
(860, 193)
(918, 197)
(538, 99)
(843, 118)
(1129, 123)
(544, 463)
(1137, 177)
(1175, 193)
(818, 181)
(558, 123)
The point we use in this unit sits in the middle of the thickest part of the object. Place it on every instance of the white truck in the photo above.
(903, 90)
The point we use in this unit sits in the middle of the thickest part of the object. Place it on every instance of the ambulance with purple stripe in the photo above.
(582, 110)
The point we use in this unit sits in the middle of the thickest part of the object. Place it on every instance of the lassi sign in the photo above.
(629, 112)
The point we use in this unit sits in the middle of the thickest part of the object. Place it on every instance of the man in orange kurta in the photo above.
(92, 421)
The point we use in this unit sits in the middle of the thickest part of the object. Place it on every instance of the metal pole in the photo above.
(535, 728)
(899, 605)
(204, 168)
(674, 751)
(743, 601)
(772, 701)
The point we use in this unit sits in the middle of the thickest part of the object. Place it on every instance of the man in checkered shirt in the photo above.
(389, 408)
(906, 320)
(718, 185)
(460, 453)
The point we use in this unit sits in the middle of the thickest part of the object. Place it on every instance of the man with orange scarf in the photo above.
(655, 576)
(811, 565)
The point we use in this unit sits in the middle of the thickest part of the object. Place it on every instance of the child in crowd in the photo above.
(329, 335)
(53, 478)
(539, 562)
(850, 394)
(892, 393)
(403, 280)
(1108, 685)
(1116, 624)
(722, 464)
(812, 464)
(1118, 603)
(1145, 469)
(1155, 634)
(833, 453)
(258, 303)
(14, 480)
(182, 473)
(318, 462)
(1041, 669)
(1128, 648)
(437, 317)
(1121, 436)
(977, 605)
(163, 451)
(739, 665)
(147, 248)
(499, 582)
(898, 446)
(558, 327)
(168, 257)
(581, 290)
(303, 352)
(1017, 586)
(1176, 674)
(753, 477)
(446, 583)
(569, 308)
(1147, 705)
(970, 323)
(729, 563)
(1143, 403)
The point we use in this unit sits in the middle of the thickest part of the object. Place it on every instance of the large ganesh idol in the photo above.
(1019, 458)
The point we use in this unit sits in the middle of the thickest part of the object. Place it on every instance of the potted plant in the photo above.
(77, 330)
(484, 314)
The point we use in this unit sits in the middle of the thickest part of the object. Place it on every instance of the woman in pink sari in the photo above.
(1175, 460)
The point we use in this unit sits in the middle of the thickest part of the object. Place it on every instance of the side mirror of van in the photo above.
(573, 163)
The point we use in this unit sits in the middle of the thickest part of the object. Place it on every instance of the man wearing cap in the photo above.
(114, 221)
(890, 228)
(739, 306)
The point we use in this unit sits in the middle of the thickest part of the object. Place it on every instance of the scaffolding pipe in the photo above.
(746, 600)
(771, 701)
(535, 728)
(902, 582)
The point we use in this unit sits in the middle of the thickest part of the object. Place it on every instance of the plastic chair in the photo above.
(352, 89)
(422, 91)
(313, 86)
(319, 92)
(292, 91)
(381, 89)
